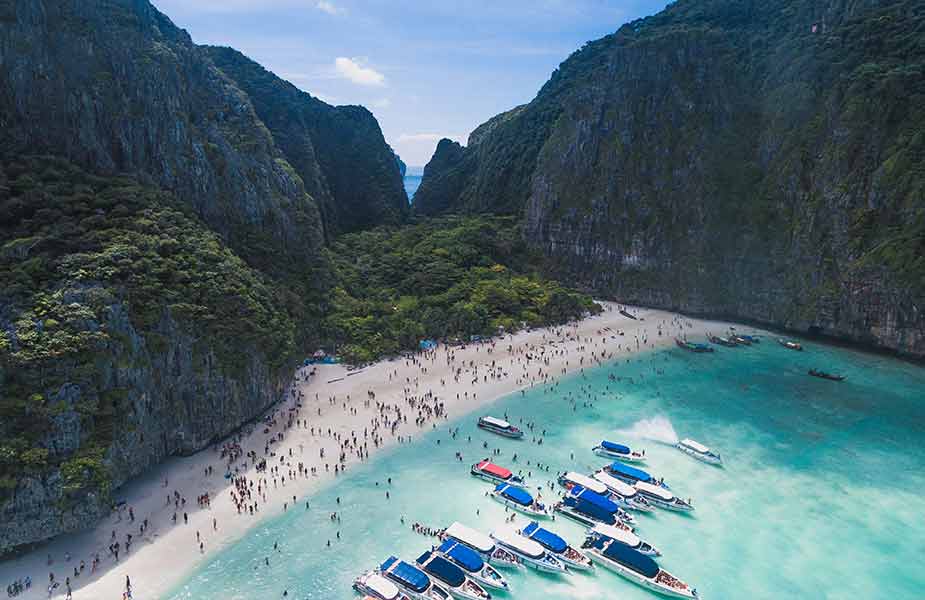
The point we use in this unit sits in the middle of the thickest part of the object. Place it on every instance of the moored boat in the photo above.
(691, 346)
(489, 471)
(631, 474)
(453, 578)
(824, 375)
(481, 543)
(617, 451)
(411, 580)
(572, 479)
(637, 567)
(623, 493)
(754, 339)
(740, 340)
(624, 537)
(472, 563)
(722, 341)
(662, 497)
(519, 499)
(699, 451)
(584, 506)
(790, 344)
(529, 552)
(374, 585)
(557, 546)
(500, 426)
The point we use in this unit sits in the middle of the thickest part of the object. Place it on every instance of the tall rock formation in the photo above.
(758, 160)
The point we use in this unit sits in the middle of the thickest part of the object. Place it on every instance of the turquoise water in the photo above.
(820, 497)
(412, 182)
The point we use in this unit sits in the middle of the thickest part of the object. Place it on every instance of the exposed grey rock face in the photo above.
(739, 159)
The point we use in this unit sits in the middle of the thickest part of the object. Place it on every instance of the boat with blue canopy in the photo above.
(637, 567)
(557, 546)
(617, 451)
(471, 562)
(374, 585)
(412, 580)
(631, 474)
(481, 543)
(531, 553)
(586, 507)
(452, 577)
(519, 499)
(622, 493)
(572, 479)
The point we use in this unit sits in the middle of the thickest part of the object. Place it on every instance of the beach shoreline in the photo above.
(327, 420)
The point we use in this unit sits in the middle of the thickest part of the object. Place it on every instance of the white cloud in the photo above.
(429, 137)
(328, 7)
(351, 69)
(382, 103)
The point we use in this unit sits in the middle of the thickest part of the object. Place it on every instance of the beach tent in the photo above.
(428, 345)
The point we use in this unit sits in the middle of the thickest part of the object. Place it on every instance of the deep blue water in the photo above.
(820, 496)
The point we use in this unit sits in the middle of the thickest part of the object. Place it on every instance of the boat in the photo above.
(412, 580)
(489, 471)
(631, 474)
(616, 451)
(624, 537)
(623, 493)
(375, 586)
(453, 578)
(500, 426)
(637, 567)
(559, 548)
(699, 451)
(571, 479)
(471, 562)
(722, 341)
(530, 552)
(662, 497)
(519, 499)
(790, 344)
(740, 340)
(824, 375)
(754, 339)
(589, 509)
(628, 315)
(691, 346)
(481, 543)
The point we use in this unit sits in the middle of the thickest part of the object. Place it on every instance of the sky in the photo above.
(426, 69)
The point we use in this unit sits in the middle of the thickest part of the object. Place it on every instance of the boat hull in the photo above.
(492, 479)
(710, 460)
(672, 506)
(514, 435)
(639, 579)
(533, 512)
(583, 519)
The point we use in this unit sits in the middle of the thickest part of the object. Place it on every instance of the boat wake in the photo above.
(658, 429)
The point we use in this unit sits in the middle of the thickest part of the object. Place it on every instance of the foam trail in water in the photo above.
(657, 428)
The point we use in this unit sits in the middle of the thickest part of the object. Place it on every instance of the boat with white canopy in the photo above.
(623, 493)
(637, 567)
(519, 499)
(472, 563)
(411, 580)
(481, 543)
(699, 451)
(453, 578)
(624, 537)
(615, 451)
(374, 585)
(559, 548)
(531, 553)
(662, 498)
(500, 426)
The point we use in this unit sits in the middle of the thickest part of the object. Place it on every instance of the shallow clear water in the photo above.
(820, 496)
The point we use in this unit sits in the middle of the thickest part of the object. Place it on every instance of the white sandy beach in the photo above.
(459, 380)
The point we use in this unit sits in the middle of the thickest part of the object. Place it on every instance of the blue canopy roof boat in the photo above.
(632, 474)
(556, 545)
(588, 508)
(411, 579)
(471, 562)
(618, 451)
(637, 567)
(454, 577)
(519, 500)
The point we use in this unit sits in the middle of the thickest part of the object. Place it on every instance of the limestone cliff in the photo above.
(758, 160)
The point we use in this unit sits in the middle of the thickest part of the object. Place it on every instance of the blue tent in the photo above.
(428, 344)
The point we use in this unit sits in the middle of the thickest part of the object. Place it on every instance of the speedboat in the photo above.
(572, 479)
(691, 346)
(530, 552)
(623, 493)
(637, 567)
(519, 499)
(412, 580)
(375, 586)
(500, 426)
(613, 450)
(489, 471)
(824, 375)
(481, 543)
(589, 509)
(631, 474)
(452, 577)
(662, 498)
(699, 451)
(789, 344)
(471, 562)
(624, 537)
(557, 546)
(722, 341)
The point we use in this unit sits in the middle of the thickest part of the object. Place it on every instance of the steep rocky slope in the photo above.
(760, 160)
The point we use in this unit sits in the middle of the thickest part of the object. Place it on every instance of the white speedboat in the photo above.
(481, 543)
(615, 451)
(631, 474)
(573, 559)
(637, 567)
(699, 451)
(500, 426)
(411, 580)
(624, 537)
(662, 498)
(519, 499)
(572, 479)
(531, 553)
(452, 577)
(489, 471)
(374, 585)
(623, 493)
(472, 563)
